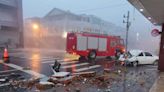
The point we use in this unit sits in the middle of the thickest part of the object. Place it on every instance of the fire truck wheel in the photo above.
(117, 54)
(92, 55)
(109, 58)
(82, 58)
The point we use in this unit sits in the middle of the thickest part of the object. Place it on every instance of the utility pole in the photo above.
(126, 17)
(128, 23)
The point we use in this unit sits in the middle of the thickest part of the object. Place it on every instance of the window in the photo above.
(122, 42)
(141, 54)
(147, 54)
(113, 43)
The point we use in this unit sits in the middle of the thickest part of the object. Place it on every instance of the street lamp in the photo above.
(64, 35)
(36, 33)
(35, 26)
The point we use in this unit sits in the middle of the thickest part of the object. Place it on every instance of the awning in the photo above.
(153, 10)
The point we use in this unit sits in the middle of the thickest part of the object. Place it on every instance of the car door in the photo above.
(149, 58)
(141, 58)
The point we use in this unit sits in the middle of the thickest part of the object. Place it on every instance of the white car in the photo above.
(136, 57)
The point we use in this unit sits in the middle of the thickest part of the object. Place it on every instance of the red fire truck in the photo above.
(89, 45)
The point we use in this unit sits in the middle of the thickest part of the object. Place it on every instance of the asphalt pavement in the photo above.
(29, 64)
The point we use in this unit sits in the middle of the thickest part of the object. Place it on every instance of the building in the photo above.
(60, 20)
(11, 23)
(54, 25)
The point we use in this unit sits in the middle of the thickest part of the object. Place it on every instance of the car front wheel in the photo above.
(82, 58)
(155, 62)
(135, 64)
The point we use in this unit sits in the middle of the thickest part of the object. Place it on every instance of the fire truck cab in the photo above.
(89, 45)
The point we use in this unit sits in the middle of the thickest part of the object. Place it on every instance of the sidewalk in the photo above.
(158, 86)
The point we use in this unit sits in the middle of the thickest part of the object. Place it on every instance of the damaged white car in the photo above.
(136, 57)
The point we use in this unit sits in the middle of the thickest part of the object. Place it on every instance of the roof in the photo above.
(153, 10)
(56, 11)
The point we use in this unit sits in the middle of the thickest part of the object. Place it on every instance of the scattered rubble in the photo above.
(86, 74)
(44, 85)
(107, 81)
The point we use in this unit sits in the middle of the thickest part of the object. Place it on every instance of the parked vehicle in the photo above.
(89, 45)
(136, 57)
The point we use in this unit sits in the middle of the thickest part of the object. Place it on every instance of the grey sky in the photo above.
(105, 9)
(109, 10)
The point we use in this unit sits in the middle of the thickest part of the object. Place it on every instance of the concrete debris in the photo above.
(44, 85)
(119, 71)
(59, 84)
(2, 80)
(107, 70)
(86, 74)
(141, 82)
(108, 90)
(24, 83)
(61, 74)
(102, 78)
(77, 90)
(106, 81)
(85, 79)
(65, 81)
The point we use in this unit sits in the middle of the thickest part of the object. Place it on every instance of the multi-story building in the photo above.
(11, 23)
(60, 20)
(57, 21)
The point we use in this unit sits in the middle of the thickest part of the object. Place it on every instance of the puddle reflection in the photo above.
(35, 62)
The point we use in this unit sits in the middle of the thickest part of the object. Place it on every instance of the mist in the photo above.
(110, 11)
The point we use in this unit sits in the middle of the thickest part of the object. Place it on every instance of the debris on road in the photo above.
(44, 85)
(65, 80)
(3, 80)
(86, 74)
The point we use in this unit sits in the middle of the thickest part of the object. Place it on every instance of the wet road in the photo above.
(37, 63)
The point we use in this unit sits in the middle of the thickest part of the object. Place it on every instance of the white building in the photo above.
(57, 21)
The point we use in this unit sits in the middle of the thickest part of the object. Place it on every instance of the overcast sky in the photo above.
(109, 10)
(105, 9)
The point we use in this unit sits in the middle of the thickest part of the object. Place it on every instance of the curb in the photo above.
(158, 84)
(153, 88)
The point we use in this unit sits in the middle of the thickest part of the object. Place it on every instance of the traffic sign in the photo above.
(155, 32)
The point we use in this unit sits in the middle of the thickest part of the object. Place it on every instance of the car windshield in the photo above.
(129, 54)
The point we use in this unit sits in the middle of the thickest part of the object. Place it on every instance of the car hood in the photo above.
(135, 52)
